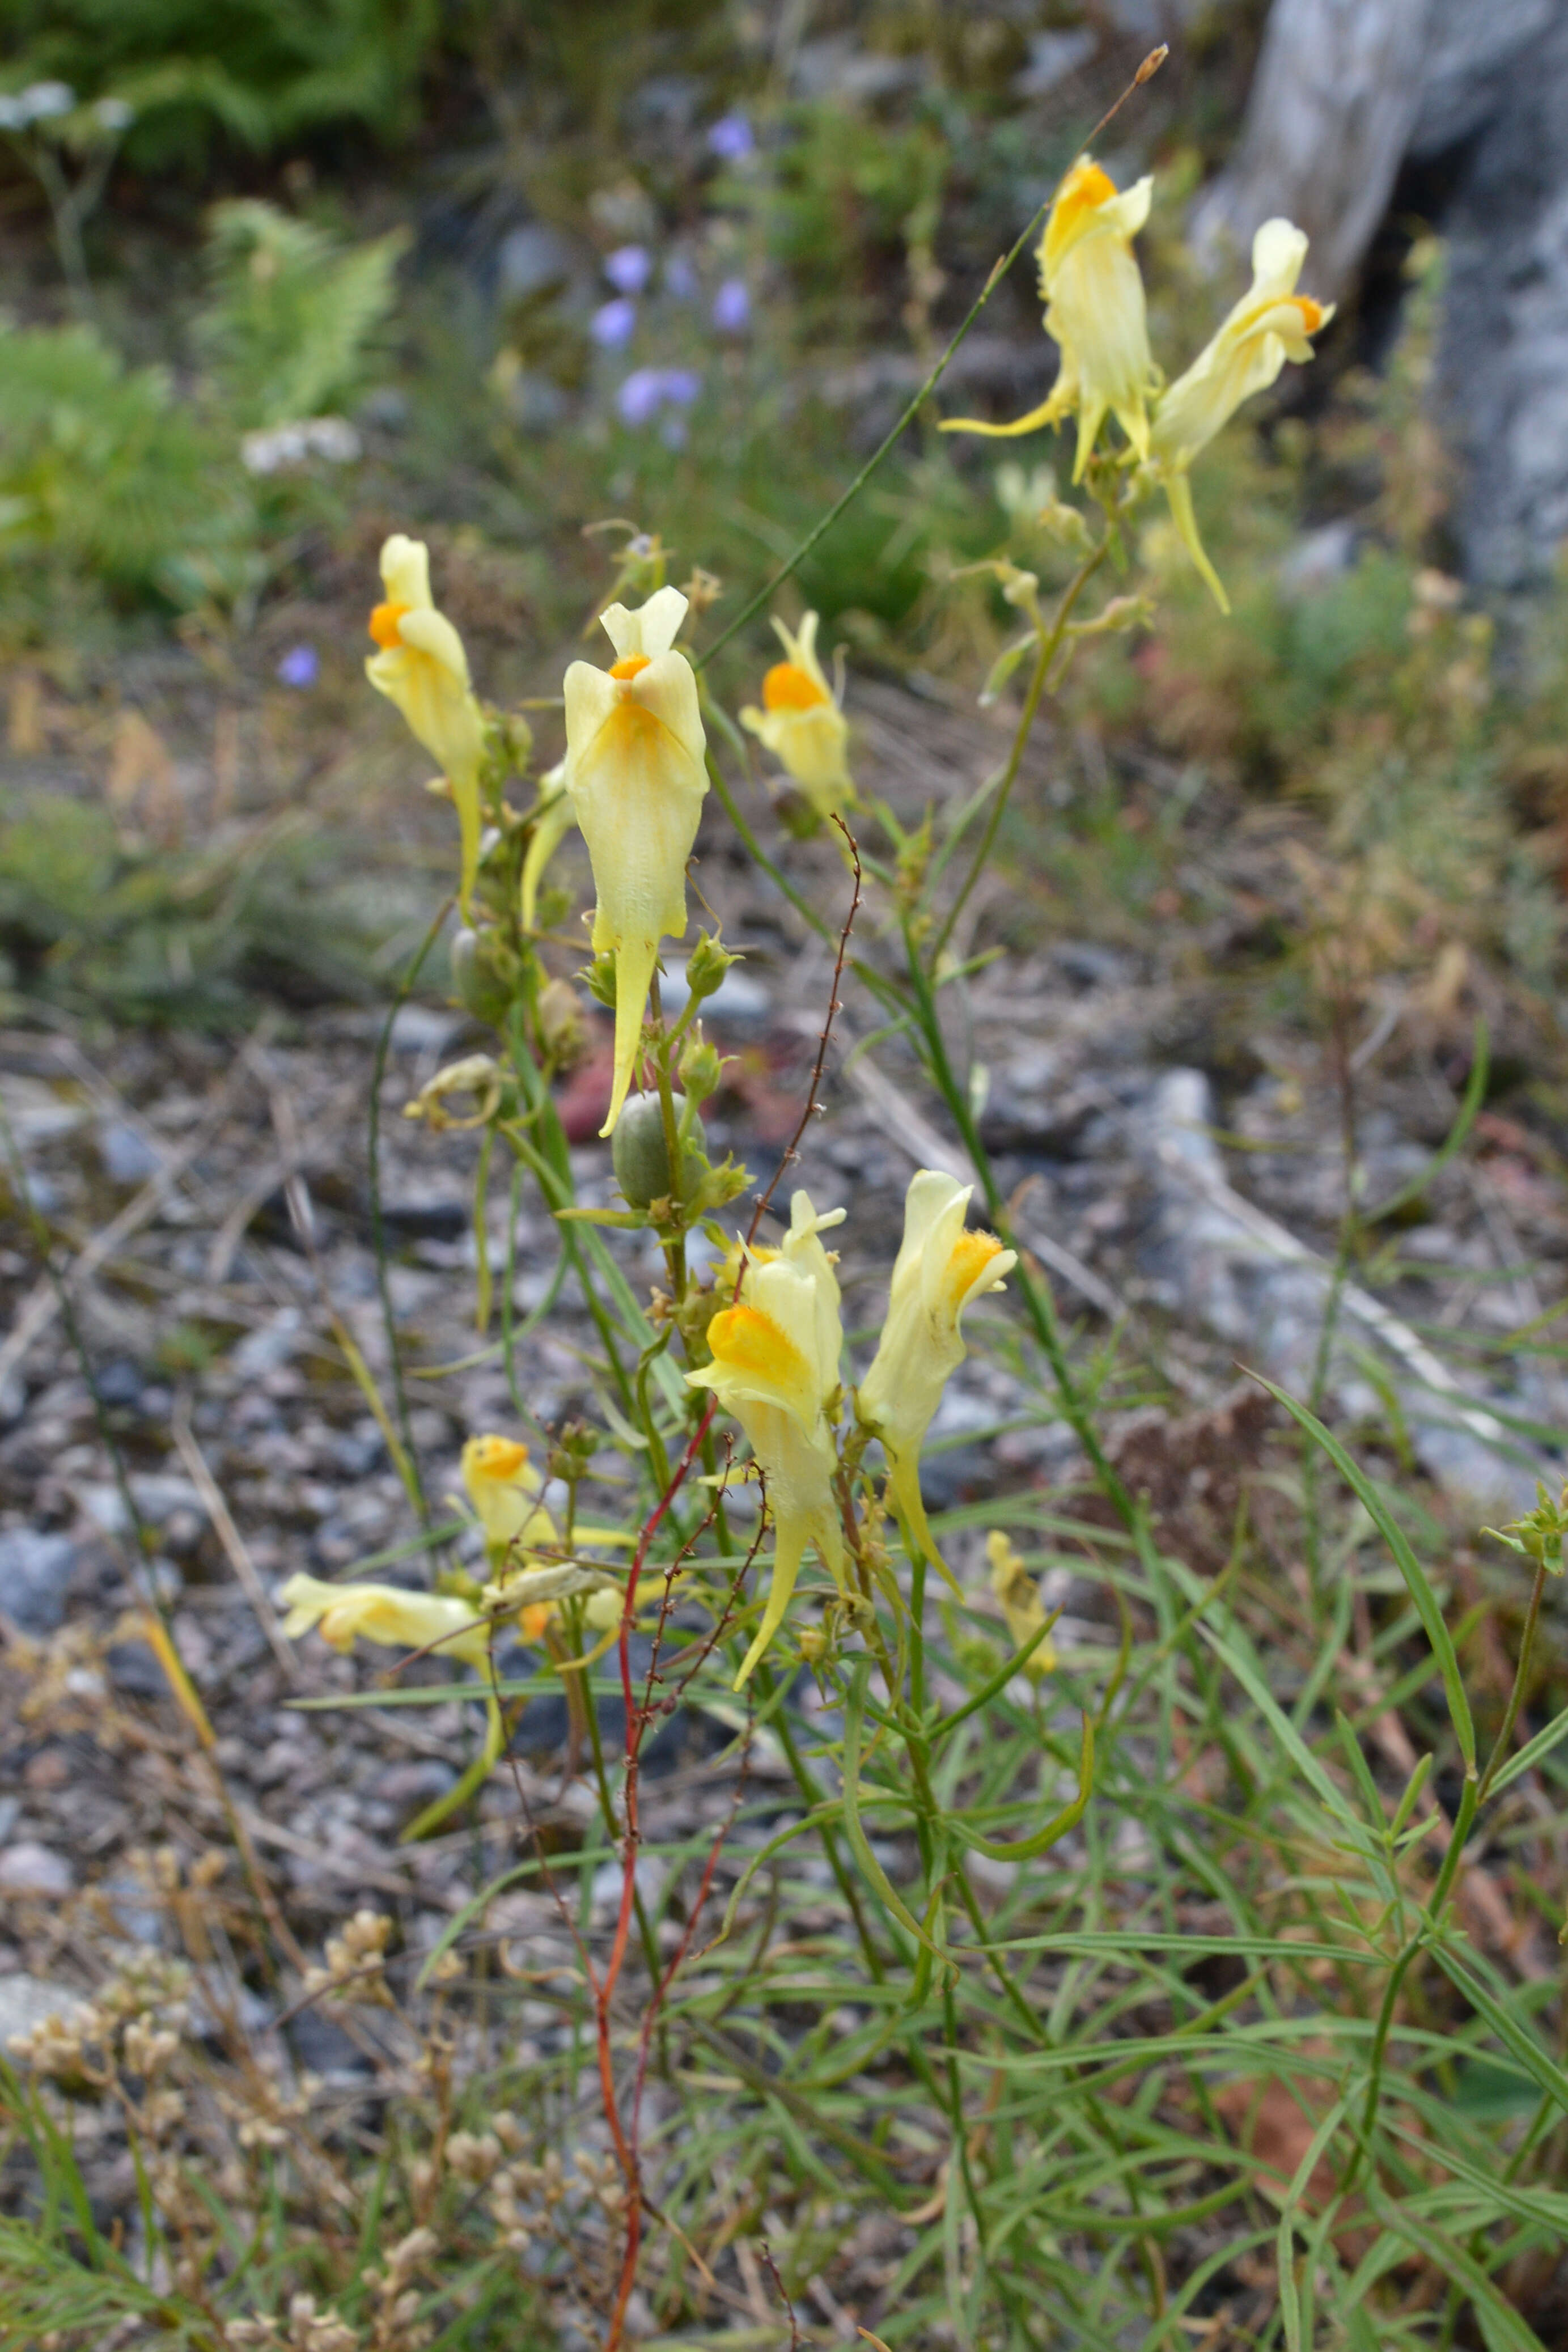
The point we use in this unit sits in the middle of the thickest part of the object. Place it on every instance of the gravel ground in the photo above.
(209, 1203)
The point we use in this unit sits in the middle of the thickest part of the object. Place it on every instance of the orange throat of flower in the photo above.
(1084, 190)
(498, 1457)
(787, 687)
(383, 625)
(972, 1254)
(630, 665)
(744, 1339)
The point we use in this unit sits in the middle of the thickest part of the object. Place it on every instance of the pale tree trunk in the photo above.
(1333, 102)
(1345, 91)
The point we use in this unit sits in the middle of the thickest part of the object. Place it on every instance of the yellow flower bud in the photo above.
(1021, 1605)
(775, 1368)
(422, 668)
(555, 815)
(635, 772)
(1090, 284)
(801, 723)
(940, 1269)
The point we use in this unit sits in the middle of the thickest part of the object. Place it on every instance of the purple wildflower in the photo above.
(731, 138)
(301, 667)
(648, 390)
(613, 323)
(629, 268)
(732, 307)
(641, 396)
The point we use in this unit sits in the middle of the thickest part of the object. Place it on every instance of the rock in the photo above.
(120, 1384)
(1501, 389)
(323, 2046)
(134, 1669)
(271, 1348)
(26, 2003)
(423, 1029)
(160, 1498)
(836, 66)
(131, 1910)
(1318, 558)
(434, 1217)
(28, 1868)
(532, 264)
(1218, 1258)
(395, 1796)
(1477, 99)
(127, 1158)
(1052, 58)
(34, 1578)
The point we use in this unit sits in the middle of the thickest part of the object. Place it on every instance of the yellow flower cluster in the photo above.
(503, 1489)
(776, 1351)
(1093, 293)
(635, 774)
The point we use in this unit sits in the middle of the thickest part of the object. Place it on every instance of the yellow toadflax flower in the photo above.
(635, 750)
(422, 668)
(1270, 324)
(503, 1488)
(940, 1269)
(801, 723)
(384, 1614)
(1021, 1605)
(1093, 293)
(775, 1367)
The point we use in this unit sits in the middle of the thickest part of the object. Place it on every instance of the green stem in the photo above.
(1526, 1644)
(1050, 645)
(876, 1966)
(1037, 1297)
(808, 913)
(1431, 1922)
(378, 1222)
(998, 271)
(674, 1251)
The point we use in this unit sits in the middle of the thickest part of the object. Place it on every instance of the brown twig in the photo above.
(813, 1105)
(233, 1542)
(772, 2268)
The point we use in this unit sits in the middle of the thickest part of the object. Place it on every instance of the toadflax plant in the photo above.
(734, 1370)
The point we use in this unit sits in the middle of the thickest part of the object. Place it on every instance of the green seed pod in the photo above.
(639, 1154)
(484, 972)
(705, 967)
(701, 1065)
(600, 977)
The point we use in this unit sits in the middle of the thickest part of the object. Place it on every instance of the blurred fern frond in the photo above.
(261, 70)
(100, 469)
(96, 920)
(292, 313)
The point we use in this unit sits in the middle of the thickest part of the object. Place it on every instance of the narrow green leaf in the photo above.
(1531, 1754)
(1246, 1671)
(1475, 1095)
(1410, 1567)
(1536, 2062)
